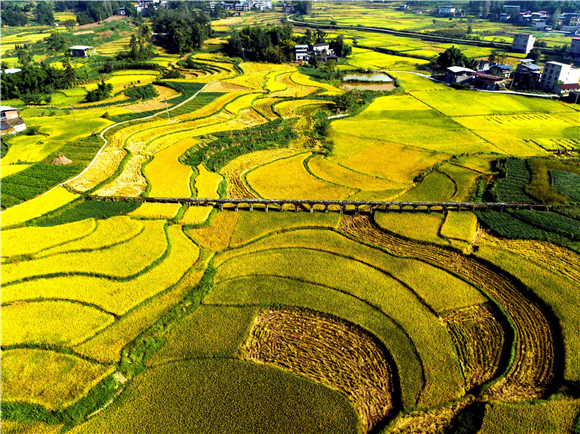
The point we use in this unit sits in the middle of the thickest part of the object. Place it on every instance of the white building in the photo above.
(558, 73)
(10, 122)
(446, 10)
(301, 53)
(523, 43)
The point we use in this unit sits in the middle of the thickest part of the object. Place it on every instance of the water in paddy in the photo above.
(367, 81)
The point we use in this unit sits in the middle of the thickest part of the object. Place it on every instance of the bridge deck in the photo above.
(330, 205)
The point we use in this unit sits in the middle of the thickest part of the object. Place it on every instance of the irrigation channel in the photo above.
(329, 205)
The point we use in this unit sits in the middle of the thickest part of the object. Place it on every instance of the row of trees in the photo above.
(276, 44)
(37, 79)
(181, 30)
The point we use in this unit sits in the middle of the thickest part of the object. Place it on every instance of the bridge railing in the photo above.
(331, 205)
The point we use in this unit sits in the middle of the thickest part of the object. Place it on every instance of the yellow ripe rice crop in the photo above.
(465, 181)
(136, 253)
(293, 90)
(106, 346)
(216, 236)
(29, 240)
(558, 259)
(113, 295)
(235, 169)
(47, 378)
(130, 182)
(36, 207)
(337, 174)
(156, 210)
(241, 103)
(166, 175)
(213, 107)
(432, 341)
(288, 109)
(9, 426)
(264, 106)
(272, 83)
(436, 287)
(304, 80)
(11, 169)
(103, 167)
(460, 226)
(391, 161)
(420, 226)
(206, 185)
(224, 86)
(288, 179)
(51, 323)
(111, 231)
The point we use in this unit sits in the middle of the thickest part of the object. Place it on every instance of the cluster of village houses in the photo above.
(554, 77)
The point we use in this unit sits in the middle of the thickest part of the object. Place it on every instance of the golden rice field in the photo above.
(120, 315)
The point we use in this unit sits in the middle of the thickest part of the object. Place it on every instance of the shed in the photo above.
(82, 51)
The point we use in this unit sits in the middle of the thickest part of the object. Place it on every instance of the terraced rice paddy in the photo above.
(119, 315)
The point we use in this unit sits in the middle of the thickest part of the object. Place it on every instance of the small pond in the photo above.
(374, 77)
(367, 81)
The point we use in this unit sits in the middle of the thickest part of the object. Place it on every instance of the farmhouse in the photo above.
(10, 122)
(446, 10)
(523, 43)
(574, 52)
(458, 74)
(527, 74)
(556, 73)
(301, 53)
(566, 89)
(321, 50)
(82, 51)
(484, 81)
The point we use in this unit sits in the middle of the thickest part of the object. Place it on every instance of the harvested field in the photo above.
(531, 373)
(479, 338)
(311, 345)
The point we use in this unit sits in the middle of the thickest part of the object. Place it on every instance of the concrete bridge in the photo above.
(328, 205)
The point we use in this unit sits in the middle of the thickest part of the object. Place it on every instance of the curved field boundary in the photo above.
(107, 142)
(534, 364)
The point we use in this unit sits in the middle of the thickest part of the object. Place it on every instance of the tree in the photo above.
(535, 54)
(341, 48)
(303, 7)
(43, 14)
(454, 57)
(313, 61)
(555, 21)
(23, 54)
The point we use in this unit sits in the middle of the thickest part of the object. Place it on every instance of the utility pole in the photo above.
(73, 112)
